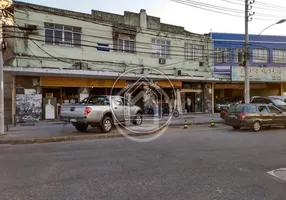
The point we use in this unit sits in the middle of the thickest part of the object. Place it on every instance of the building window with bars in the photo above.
(222, 55)
(279, 56)
(124, 43)
(238, 56)
(194, 52)
(161, 48)
(62, 35)
(260, 55)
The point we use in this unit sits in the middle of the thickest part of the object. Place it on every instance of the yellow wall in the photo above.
(265, 92)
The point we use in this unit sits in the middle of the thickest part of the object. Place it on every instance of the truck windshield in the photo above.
(95, 101)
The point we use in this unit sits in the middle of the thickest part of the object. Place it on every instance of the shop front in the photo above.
(234, 91)
(40, 98)
(196, 97)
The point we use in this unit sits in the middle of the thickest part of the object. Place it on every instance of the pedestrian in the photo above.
(189, 104)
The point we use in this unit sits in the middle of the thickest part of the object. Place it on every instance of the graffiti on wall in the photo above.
(28, 107)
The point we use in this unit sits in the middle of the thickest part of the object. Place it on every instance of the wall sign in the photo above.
(260, 74)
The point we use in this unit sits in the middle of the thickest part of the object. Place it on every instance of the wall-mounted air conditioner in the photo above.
(162, 61)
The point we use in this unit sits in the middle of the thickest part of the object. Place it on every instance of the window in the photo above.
(62, 35)
(125, 43)
(160, 48)
(261, 101)
(279, 56)
(263, 109)
(260, 55)
(278, 102)
(117, 101)
(194, 52)
(238, 55)
(251, 109)
(274, 110)
(222, 55)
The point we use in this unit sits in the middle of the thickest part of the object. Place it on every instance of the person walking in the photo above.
(189, 104)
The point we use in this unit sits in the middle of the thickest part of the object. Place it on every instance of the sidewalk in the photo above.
(55, 131)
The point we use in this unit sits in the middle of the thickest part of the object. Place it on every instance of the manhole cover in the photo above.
(279, 173)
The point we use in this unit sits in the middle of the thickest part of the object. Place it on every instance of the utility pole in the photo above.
(246, 50)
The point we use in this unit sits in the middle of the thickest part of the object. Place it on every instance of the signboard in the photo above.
(81, 82)
(260, 74)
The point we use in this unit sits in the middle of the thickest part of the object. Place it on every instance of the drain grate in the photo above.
(279, 173)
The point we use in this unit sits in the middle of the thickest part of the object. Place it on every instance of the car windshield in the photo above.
(278, 102)
(95, 100)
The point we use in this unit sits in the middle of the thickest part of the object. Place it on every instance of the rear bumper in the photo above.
(73, 119)
(238, 122)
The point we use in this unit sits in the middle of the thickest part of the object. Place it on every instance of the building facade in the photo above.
(57, 56)
(267, 65)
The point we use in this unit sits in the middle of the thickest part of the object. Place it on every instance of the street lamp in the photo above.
(247, 82)
(4, 4)
(279, 22)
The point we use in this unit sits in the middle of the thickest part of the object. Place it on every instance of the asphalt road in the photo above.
(198, 165)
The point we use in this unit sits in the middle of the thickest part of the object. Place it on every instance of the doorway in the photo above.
(196, 101)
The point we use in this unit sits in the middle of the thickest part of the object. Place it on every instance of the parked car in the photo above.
(270, 100)
(222, 104)
(102, 112)
(283, 98)
(255, 116)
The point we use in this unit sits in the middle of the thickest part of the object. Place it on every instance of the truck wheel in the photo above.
(106, 125)
(81, 127)
(138, 119)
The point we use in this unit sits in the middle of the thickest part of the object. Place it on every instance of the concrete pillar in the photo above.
(213, 98)
(14, 100)
(282, 89)
(143, 19)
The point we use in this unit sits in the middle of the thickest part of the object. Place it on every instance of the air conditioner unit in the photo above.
(31, 29)
(179, 72)
(162, 61)
(65, 43)
(201, 64)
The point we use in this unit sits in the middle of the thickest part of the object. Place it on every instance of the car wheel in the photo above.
(236, 127)
(256, 126)
(138, 119)
(81, 127)
(106, 125)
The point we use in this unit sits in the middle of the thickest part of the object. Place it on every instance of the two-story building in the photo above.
(267, 65)
(61, 56)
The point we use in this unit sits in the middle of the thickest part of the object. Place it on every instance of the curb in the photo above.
(18, 140)
(64, 123)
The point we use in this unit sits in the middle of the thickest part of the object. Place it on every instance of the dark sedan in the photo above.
(255, 116)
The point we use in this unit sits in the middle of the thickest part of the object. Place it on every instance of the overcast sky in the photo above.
(193, 19)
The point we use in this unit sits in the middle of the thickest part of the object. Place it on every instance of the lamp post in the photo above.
(4, 4)
(247, 82)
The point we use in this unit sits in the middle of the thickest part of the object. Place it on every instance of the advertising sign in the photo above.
(260, 74)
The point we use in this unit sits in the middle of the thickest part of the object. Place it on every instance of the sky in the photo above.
(193, 19)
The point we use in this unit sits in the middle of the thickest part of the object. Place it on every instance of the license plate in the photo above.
(72, 120)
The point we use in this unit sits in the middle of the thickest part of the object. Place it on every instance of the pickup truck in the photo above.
(102, 112)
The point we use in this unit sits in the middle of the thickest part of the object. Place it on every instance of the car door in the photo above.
(118, 108)
(129, 111)
(278, 117)
(265, 115)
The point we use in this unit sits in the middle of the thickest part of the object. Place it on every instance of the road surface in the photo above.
(197, 165)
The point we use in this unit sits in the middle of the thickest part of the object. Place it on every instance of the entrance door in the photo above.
(198, 102)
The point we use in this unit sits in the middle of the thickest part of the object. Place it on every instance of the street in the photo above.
(181, 164)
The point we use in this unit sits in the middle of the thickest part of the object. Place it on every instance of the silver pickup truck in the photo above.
(102, 112)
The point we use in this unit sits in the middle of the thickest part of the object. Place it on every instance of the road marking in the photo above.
(278, 173)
